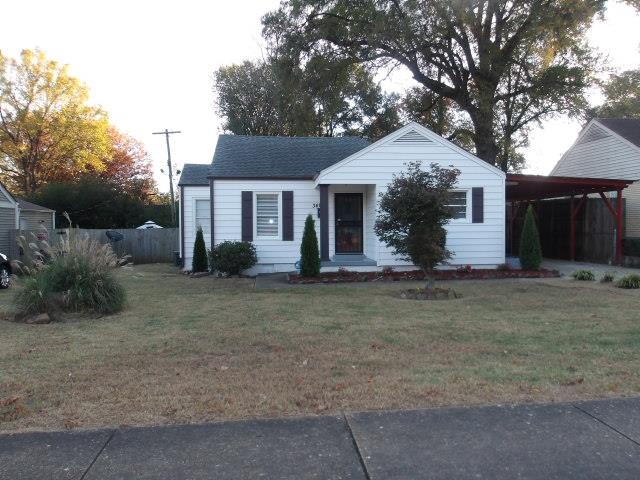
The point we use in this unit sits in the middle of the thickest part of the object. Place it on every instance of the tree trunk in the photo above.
(430, 280)
(484, 137)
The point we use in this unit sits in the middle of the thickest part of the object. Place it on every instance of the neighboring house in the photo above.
(18, 214)
(261, 189)
(608, 148)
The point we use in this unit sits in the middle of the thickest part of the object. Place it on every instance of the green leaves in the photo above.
(413, 213)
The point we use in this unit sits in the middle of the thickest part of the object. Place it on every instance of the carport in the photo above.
(524, 189)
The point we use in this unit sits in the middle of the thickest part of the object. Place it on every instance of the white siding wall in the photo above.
(273, 255)
(610, 157)
(191, 194)
(479, 244)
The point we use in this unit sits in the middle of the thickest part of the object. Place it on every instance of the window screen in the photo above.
(458, 205)
(267, 214)
(203, 215)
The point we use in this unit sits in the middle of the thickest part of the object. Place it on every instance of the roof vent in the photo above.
(592, 134)
(412, 138)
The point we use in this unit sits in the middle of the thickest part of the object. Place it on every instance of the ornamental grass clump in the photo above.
(629, 281)
(77, 276)
(583, 275)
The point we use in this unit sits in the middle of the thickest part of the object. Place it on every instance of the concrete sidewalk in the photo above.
(586, 440)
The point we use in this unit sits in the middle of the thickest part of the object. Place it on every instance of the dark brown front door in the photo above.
(348, 211)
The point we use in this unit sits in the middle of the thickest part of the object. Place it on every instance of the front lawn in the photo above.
(203, 349)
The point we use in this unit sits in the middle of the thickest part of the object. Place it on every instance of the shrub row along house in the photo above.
(261, 189)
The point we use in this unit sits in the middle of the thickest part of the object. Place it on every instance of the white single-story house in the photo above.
(261, 189)
(18, 214)
(608, 148)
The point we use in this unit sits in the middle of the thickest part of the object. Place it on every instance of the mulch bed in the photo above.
(479, 274)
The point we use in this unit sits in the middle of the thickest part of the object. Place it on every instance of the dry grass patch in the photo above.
(202, 349)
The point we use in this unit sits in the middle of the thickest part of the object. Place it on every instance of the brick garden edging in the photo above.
(479, 274)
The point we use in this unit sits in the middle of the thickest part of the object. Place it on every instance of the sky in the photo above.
(149, 64)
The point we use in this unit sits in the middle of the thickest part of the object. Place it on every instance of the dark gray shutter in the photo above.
(247, 216)
(477, 205)
(287, 216)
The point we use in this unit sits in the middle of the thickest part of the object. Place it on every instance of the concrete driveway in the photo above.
(585, 440)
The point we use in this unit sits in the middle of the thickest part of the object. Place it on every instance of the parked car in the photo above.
(5, 271)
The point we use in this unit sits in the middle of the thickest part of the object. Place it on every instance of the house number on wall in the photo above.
(316, 205)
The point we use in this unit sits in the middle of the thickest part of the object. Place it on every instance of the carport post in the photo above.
(572, 231)
(619, 228)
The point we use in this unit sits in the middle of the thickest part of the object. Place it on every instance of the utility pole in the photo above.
(166, 133)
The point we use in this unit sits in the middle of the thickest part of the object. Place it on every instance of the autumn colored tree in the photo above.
(128, 165)
(48, 131)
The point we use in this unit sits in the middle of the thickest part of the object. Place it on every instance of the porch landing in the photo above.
(344, 260)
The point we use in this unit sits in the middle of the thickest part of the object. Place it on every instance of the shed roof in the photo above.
(627, 128)
(24, 205)
(240, 156)
(194, 174)
(537, 187)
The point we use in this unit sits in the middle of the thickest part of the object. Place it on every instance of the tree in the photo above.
(93, 202)
(128, 165)
(322, 98)
(530, 250)
(309, 253)
(413, 214)
(48, 132)
(621, 97)
(200, 262)
(489, 57)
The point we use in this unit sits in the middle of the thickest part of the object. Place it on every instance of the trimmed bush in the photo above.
(199, 262)
(233, 257)
(629, 281)
(583, 275)
(309, 253)
(530, 250)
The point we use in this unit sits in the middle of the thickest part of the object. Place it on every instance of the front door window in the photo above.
(348, 211)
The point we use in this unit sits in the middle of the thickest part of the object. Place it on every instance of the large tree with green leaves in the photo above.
(621, 97)
(323, 97)
(48, 131)
(505, 63)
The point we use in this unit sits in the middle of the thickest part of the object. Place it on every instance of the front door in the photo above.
(348, 222)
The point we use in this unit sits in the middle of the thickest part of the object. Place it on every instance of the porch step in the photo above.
(349, 261)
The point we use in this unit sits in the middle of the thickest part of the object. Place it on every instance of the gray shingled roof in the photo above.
(24, 205)
(194, 174)
(290, 157)
(627, 128)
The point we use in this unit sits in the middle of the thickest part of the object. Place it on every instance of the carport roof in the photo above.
(521, 187)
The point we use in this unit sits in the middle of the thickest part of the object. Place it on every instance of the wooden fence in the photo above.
(595, 230)
(145, 246)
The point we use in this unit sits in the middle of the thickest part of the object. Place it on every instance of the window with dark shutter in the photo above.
(287, 216)
(477, 205)
(247, 217)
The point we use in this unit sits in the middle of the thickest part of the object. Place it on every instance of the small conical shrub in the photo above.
(200, 263)
(309, 253)
(530, 250)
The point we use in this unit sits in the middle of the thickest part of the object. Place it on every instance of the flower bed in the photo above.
(461, 274)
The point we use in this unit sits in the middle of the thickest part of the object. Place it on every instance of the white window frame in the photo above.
(195, 215)
(255, 216)
(468, 212)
